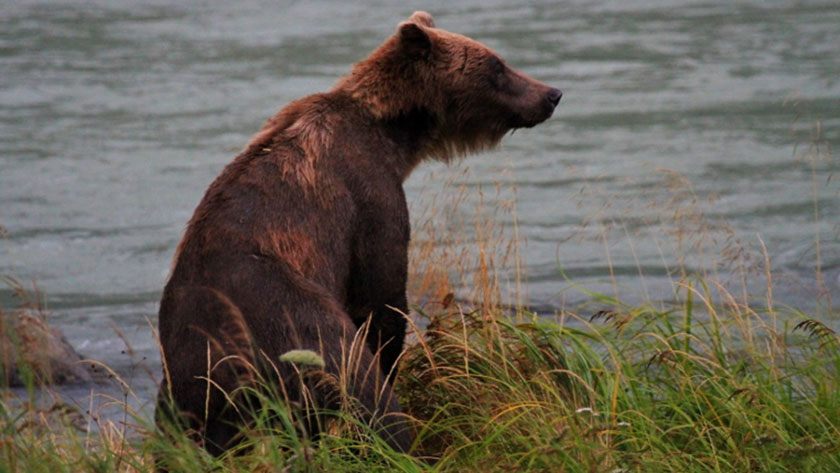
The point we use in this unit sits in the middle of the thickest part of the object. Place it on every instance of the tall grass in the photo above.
(634, 390)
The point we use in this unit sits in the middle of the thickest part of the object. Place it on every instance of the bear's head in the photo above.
(458, 93)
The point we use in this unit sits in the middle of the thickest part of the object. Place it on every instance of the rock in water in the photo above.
(29, 345)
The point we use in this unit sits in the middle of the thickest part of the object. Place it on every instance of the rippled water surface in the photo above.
(116, 115)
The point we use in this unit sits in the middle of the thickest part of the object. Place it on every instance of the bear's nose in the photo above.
(554, 96)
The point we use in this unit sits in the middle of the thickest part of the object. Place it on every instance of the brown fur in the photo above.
(303, 237)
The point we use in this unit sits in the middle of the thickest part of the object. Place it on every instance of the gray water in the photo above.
(117, 114)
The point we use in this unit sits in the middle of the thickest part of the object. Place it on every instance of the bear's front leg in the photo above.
(376, 288)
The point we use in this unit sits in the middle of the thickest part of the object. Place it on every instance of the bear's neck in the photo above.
(413, 136)
(400, 142)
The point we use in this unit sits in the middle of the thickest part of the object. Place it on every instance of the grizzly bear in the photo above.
(303, 238)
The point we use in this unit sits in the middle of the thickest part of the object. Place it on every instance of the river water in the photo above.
(690, 134)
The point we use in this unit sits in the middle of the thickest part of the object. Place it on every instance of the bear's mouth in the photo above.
(529, 121)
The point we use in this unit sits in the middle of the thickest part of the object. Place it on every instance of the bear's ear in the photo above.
(422, 18)
(413, 39)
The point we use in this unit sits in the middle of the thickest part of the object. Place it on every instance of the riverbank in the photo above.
(699, 387)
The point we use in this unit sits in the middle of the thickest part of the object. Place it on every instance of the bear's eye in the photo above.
(497, 73)
(497, 66)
